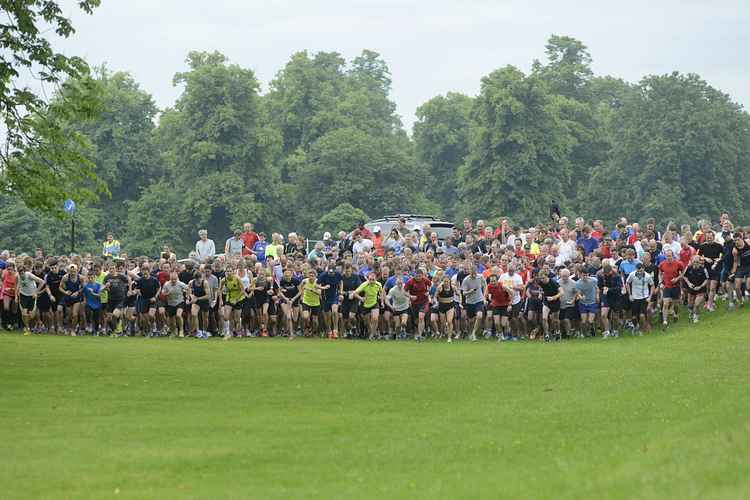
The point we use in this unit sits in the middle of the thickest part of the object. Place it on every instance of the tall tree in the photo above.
(519, 147)
(682, 152)
(41, 161)
(441, 139)
(124, 153)
(218, 148)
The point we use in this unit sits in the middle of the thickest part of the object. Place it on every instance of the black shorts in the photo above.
(534, 305)
(516, 309)
(445, 307)
(613, 301)
(404, 312)
(553, 306)
(367, 310)
(473, 309)
(237, 306)
(714, 274)
(671, 293)
(143, 305)
(639, 306)
(28, 302)
(313, 310)
(569, 313)
(130, 301)
(348, 308)
(500, 311)
(115, 303)
(43, 303)
(172, 310)
(742, 273)
(203, 305)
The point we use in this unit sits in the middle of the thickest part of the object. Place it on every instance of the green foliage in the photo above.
(151, 221)
(377, 174)
(441, 139)
(24, 230)
(681, 152)
(519, 149)
(342, 218)
(42, 161)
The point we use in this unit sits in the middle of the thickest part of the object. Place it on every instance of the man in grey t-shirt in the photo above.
(472, 288)
(234, 244)
(567, 300)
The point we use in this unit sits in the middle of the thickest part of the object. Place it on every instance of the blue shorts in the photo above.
(328, 303)
(588, 308)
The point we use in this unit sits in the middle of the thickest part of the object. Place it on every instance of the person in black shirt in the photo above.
(289, 299)
(52, 279)
(696, 280)
(147, 287)
(117, 284)
(551, 309)
(349, 283)
(712, 252)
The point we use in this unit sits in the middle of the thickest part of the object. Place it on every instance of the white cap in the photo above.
(326, 235)
(376, 229)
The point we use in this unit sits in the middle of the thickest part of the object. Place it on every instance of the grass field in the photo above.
(663, 416)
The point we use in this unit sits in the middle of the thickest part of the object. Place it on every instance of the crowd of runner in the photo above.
(551, 281)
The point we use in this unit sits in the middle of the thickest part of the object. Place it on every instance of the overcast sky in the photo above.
(431, 46)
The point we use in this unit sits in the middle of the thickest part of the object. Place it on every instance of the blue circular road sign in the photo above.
(69, 206)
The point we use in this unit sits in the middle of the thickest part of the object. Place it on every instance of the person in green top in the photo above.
(370, 293)
(310, 290)
(232, 289)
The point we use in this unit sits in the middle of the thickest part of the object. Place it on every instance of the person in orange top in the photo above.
(377, 242)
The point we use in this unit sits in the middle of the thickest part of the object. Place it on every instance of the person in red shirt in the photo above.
(418, 289)
(670, 274)
(249, 239)
(686, 253)
(363, 231)
(499, 296)
(635, 234)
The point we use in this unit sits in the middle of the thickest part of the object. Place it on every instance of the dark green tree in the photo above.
(519, 148)
(441, 139)
(681, 152)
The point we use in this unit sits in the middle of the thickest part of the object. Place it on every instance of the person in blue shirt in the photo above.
(259, 249)
(91, 294)
(588, 243)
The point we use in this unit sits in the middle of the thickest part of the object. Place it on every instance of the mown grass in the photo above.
(663, 416)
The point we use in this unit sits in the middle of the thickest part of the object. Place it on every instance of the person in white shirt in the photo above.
(640, 287)
(204, 248)
(513, 280)
(566, 248)
(361, 244)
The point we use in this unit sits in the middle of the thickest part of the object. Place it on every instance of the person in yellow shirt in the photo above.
(370, 293)
(310, 290)
(111, 246)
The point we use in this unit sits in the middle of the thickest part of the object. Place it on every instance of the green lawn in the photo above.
(663, 416)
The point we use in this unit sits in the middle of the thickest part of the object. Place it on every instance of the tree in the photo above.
(441, 139)
(681, 153)
(219, 152)
(124, 152)
(23, 229)
(519, 147)
(376, 174)
(42, 162)
(342, 218)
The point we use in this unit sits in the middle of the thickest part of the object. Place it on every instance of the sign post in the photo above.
(70, 208)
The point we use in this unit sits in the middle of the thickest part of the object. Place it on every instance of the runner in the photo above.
(26, 294)
(499, 294)
(418, 289)
(696, 281)
(311, 292)
(473, 290)
(289, 299)
(371, 294)
(551, 307)
(640, 288)
(670, 271)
